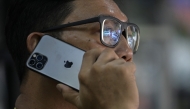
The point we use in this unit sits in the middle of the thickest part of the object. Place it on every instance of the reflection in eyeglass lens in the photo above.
(132, 36)
(111, 32)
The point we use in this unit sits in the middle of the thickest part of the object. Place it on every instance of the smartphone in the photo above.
(58, 60)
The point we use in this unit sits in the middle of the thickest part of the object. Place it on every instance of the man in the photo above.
(107, 79)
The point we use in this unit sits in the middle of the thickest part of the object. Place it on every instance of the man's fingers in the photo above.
(90, 57)
(98, 55)
(69, 94)
(106, 56)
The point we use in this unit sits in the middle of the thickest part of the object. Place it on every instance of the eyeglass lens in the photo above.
(132, 33)
(111, 31)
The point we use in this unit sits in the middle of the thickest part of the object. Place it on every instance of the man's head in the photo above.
(28, 18)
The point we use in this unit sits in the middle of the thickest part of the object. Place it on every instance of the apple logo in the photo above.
(68, 64)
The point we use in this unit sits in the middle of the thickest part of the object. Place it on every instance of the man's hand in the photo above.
(106, 82)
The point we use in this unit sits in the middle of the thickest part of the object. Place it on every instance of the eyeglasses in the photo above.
(111, 30)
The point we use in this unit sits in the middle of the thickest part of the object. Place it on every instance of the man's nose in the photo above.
(123, 50)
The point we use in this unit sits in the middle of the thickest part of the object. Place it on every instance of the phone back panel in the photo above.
(63, 60)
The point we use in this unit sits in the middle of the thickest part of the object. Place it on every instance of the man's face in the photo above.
(87, 36)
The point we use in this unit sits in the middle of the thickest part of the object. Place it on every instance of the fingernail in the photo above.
(58, 87)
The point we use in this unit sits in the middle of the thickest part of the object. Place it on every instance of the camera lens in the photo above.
(32, 62)
(39, 65)
(39, 57)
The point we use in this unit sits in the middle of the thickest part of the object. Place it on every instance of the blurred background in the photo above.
(163, 58)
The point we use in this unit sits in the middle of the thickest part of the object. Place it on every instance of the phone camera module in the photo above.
(37, 61)
(39, 57)
(39, 65)
(32, 62)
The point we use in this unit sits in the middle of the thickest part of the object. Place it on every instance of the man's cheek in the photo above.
(95, 44)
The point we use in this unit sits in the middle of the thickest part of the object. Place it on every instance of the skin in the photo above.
(98, 89)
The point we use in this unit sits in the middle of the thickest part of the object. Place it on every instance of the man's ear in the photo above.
(32, 40)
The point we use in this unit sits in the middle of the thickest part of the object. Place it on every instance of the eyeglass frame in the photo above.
(101, 19)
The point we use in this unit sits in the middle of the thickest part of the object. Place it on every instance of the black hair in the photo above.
(26, 16)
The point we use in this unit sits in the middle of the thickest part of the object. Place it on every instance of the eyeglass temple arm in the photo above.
(91, 20)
